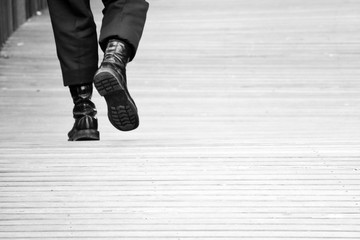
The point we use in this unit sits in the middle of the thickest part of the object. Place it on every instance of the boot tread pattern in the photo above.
(122, 112)
(106, 83)
(125, 117)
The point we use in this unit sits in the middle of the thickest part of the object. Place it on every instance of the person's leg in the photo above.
(123, 24)
(76, 40)
(76, 45)
(124, 20)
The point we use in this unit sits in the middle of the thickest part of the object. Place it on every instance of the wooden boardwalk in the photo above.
(250, 129)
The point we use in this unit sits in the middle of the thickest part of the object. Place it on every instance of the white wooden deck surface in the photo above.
(250, 129)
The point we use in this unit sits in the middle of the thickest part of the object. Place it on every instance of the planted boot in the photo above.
(110, 81)
(84, 111)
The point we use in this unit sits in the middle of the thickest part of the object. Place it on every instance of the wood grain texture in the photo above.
(249, 129)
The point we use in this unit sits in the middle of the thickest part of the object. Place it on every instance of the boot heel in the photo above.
(85, 135)
(106, 82)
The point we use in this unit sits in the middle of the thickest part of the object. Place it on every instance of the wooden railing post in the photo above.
(13, 13)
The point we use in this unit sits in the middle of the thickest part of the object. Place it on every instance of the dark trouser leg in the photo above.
(124, 20)
(76, 40)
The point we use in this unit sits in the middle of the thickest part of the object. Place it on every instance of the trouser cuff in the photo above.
(80, 76)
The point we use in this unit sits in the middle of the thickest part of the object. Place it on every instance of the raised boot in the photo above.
(84, 111)
(110, 81)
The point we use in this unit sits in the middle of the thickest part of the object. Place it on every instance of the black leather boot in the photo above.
(86, 125)
(110, 81)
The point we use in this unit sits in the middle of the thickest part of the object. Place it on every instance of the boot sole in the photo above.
(122, 112)
(85, 135)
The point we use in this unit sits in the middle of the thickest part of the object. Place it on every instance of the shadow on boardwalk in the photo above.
(249, 129)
